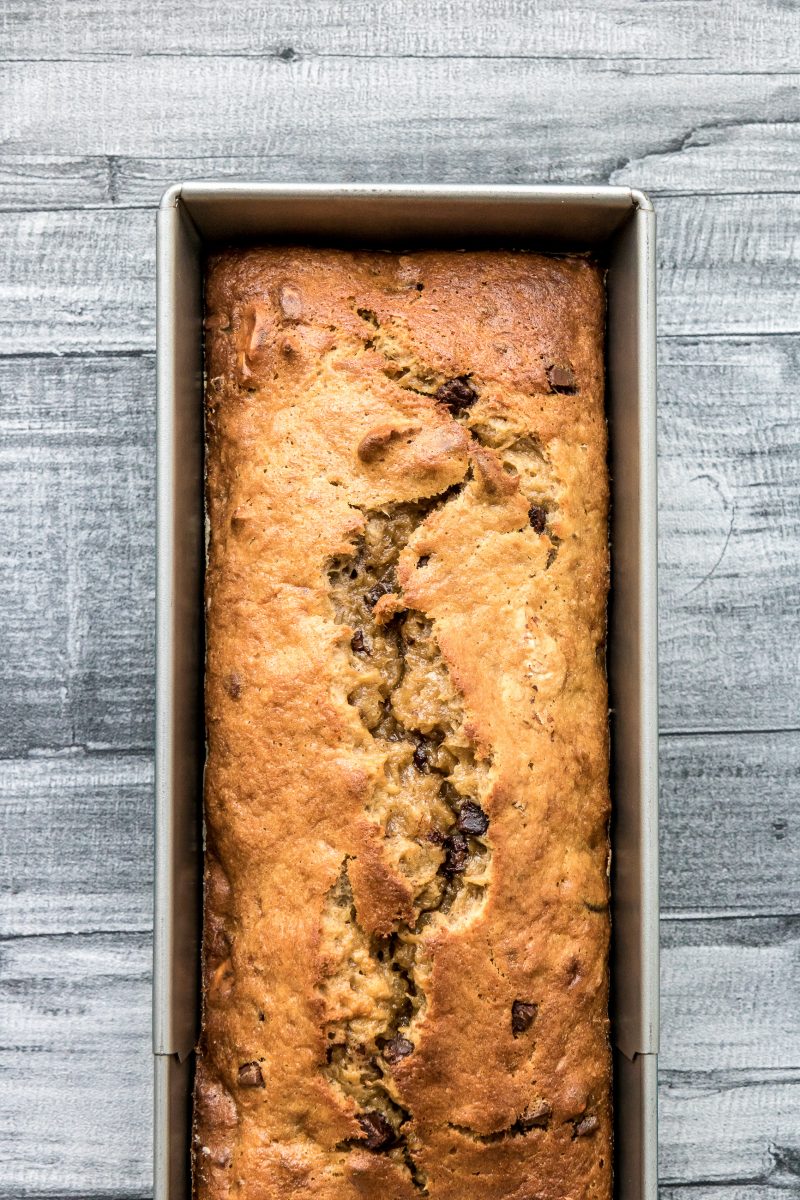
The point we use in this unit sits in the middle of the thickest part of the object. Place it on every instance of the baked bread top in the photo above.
(406, 913)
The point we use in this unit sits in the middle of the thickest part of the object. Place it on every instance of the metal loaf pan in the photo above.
(618, 226)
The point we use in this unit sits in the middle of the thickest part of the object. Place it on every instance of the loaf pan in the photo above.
(616, 225)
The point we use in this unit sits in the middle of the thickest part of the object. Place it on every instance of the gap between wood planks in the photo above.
(111, 206)
(686, 733)
(729, 1077)
(77, 1193)
(621, 30)
(725, 914)
(8, 938)
(78, 749)
(144, 352)
(699, 917)
(147, 750)
(287, 54)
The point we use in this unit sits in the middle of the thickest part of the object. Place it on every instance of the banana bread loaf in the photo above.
(406, 795)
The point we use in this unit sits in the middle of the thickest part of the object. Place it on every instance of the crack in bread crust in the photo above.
(427, 806)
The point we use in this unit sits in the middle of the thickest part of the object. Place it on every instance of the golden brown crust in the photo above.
(406, 793)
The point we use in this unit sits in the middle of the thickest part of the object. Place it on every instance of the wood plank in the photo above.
(713, 251)
(740, 36)
(714, 158)
(75, 1066)
(729, 994)
(31, 181)
(78, 846)
(327, 110)
(77, 852)
(76, 485)
(77, 281)
(728, 265)
(716, 1130)
(754, 156)
(76, 497)
(751, 157)
(729, 527)
(75, 1069)
(730, 833)
(758, 1190)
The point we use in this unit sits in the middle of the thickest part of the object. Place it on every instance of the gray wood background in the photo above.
(103, 103)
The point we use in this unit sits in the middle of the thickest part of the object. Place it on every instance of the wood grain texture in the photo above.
(408, 114)
(778, 1183)
(77, 854)
(729, 528)
(750, 157)
(743, 973)
(740, 1129)
(743, 35)
(730, 823)
(31, 181)
(713, 251)
(93, 289)
(77, 471)
(75, 1066)
(77, 474)
(81, 1120)
(77, 850)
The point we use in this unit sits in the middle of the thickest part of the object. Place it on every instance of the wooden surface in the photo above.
(102, 104)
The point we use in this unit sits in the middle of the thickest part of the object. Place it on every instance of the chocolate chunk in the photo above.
(374, 594)
(536, 1115)
(358, 643)
(537, 517)
(457, 394)
(587, 1126)
(423, 561)
(399, 1047)
(378, 1133)
(233, 685)
(456, 853)
(421, 758)
(250, 1075)
(561, 379)
(437, 837)
(472, 819)
(522, 1015)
